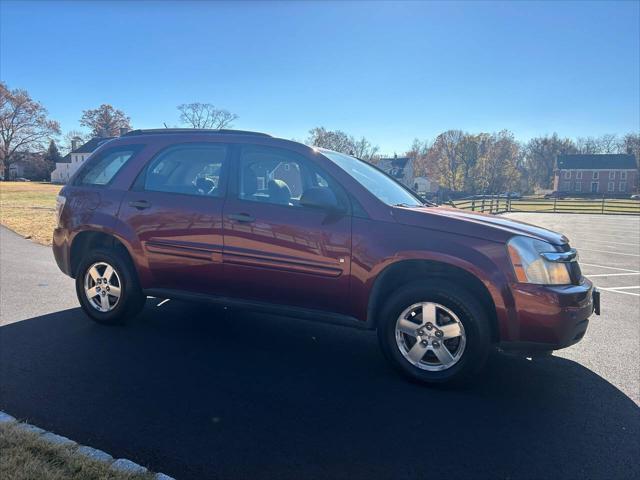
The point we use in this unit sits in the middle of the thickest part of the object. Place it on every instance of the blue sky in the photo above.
(389, 71)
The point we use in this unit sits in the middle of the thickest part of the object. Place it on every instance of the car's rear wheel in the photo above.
(434, 332)
(107, 287)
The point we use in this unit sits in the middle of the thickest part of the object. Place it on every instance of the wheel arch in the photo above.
(87, 240)
(403, 272)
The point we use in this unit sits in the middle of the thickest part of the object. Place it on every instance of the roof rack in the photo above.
(162, 131)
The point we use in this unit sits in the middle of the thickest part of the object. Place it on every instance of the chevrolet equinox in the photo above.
(248, 220)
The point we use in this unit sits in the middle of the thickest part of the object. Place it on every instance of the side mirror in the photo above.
(321, 198)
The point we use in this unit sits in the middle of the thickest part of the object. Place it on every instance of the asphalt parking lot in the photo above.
(202, 392)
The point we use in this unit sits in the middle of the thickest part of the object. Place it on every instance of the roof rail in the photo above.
(162, 131)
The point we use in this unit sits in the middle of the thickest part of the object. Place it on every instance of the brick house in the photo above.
(608, 174)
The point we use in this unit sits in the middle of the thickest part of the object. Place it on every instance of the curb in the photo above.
(120, 464)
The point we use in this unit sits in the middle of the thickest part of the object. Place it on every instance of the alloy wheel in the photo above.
(430, 336)
(102, 286)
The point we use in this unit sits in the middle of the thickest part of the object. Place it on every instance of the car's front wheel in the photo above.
(107, 287)
(434, 332)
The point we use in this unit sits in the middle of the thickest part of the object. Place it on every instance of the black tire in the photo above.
(465, 306)
(131, 299)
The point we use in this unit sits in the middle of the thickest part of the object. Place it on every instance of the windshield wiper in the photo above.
(409, 206)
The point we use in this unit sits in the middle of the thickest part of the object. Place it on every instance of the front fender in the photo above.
(374, 254)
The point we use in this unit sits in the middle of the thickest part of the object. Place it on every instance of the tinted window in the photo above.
(278, 176)
(381, 185)
(102, 170)
(188, 170)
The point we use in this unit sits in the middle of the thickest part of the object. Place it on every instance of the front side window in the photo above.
(194, 169)
(375, 181)
(281, 177)
(102, 169)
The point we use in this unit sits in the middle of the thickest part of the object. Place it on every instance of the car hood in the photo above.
(462, 222)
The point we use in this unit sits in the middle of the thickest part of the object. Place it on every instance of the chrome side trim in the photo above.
(563, 257)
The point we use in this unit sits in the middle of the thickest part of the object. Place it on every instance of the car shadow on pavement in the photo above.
(202, 392)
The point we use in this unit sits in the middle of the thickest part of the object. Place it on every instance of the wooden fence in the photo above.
(603, 205)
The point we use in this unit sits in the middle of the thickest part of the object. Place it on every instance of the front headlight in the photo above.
(535, 261)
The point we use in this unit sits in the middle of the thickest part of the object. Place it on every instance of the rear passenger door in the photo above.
(275, 249)
(175, 209)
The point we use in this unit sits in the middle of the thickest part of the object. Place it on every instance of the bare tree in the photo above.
(496, 168)
(68, 138)
(205, 115)
(340, 141)
(587, 145)
(608, 143)
(445, 159)
(105, 121)
(540, 157)
(364, 150)
(23, 124)
(631, 144)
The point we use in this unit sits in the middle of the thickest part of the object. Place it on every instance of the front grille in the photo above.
(574, 268)
(575, 273)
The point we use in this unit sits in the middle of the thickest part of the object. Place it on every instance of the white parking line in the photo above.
(608, 242)
(605, 266)
(618, 291)
(625, 288)
(610, 252)
(578, 235)
(612, 274)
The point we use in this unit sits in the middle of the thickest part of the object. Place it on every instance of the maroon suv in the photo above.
(245, 219)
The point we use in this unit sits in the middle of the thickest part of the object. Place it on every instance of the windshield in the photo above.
(374, 180)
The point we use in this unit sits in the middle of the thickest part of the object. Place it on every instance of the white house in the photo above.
(72, 161)
(400, 168)
(423, 185)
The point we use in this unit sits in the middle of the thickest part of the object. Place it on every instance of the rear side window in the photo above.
(105, 167)
(188, 170)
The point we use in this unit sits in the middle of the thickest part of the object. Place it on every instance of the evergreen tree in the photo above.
(52, 156)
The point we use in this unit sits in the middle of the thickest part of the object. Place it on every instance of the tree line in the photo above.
(459, 161)
(484, 163)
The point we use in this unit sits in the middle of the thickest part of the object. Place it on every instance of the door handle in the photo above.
(241, 217)
(140, 204)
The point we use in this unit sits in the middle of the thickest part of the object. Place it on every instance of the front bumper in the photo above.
(551, 318)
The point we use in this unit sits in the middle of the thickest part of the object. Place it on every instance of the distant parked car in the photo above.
(22, 179)
(478, 197)
(248, 220)
(555, 195)
(635, 196)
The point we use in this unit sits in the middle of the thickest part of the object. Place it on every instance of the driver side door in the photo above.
(277, 250)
